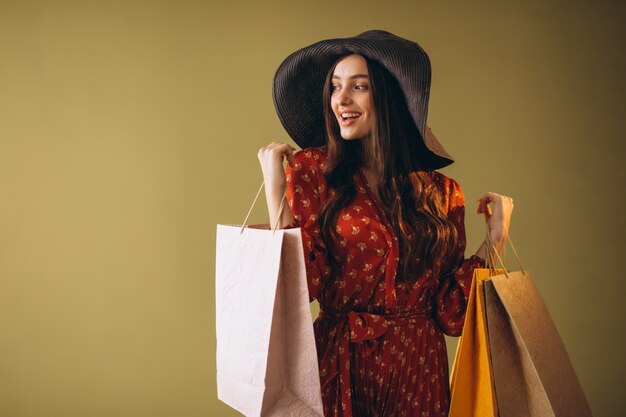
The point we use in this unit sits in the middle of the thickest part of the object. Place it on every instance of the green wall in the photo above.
(129, 129)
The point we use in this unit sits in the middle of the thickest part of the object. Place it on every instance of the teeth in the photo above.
(348, 115)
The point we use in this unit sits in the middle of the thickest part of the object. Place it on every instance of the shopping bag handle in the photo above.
(280, 209)
(491, 261)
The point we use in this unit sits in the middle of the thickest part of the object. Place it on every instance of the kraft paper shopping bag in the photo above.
(266, 355)
(519, 389)
(532, 370)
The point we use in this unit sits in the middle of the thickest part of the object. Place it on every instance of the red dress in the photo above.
(380, 343)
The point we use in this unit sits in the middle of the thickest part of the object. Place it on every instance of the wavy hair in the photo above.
(411, 199)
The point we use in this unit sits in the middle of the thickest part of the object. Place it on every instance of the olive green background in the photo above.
(129, 129)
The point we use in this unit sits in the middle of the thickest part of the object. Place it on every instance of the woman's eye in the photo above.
(334, 87)
(361, 87)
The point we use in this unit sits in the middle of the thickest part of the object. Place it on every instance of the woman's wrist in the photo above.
(274, 196)
(498, 239)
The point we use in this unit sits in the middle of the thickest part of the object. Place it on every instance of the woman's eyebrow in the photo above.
(353, 76)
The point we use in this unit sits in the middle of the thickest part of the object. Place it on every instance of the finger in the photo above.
(289, 153)
(482, 203)
(276, 149)
(484, 207)
(479, 209)
(490, 197)
(487, 214)
(282, 147)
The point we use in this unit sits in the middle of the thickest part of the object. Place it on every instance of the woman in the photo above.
(383, 232)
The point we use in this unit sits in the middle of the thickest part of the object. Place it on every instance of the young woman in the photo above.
(383, 232)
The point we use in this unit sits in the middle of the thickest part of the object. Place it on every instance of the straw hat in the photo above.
(299, 83)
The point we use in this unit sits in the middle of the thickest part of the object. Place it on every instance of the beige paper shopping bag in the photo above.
(266, 355)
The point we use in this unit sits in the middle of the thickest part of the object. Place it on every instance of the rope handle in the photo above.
(505, 264)
(280, 209)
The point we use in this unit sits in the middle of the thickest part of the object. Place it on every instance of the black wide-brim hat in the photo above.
(299, 83)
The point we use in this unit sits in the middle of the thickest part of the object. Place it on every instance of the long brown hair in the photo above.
(412, 200)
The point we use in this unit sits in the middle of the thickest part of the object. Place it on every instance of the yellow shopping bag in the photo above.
(472, 390)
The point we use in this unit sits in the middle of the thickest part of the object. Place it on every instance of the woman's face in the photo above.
(351, 99)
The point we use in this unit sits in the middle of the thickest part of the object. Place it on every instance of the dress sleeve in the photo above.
(305, 192)
(454, 285)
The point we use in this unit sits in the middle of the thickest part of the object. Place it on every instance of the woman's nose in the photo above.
(344, 97)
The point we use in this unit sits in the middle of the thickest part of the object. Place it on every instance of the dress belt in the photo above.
(361, 328)
(367, 326)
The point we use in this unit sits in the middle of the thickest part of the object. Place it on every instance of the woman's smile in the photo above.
(348, 118)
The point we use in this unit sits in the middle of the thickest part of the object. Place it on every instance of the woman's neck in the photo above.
(370, 174)
(368, 167)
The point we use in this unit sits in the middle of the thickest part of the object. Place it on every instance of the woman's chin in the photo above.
(351, 137)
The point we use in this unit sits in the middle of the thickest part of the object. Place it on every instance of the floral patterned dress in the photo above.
(380, 343)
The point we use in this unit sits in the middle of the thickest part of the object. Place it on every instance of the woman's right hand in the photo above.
(271, 159)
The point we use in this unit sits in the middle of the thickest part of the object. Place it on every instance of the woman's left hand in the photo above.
(497, 216)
